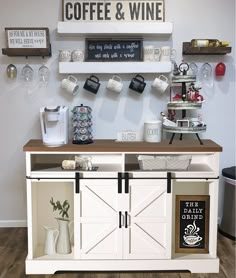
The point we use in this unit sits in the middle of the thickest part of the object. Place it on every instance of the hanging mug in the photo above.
(160, 83)
(92, 84)
(70, 84)
(115, 84)
(137, 84)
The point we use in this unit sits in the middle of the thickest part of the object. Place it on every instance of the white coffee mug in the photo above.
(65, 56)
(77, 55)
(115, 84)
(151, 53)
(160, 83)
(152, 131)
(70, 84)
(167, 53)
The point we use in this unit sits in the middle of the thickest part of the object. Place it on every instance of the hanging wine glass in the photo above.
(44, 74)
(11, 71)
(206, 74)
(206, 71)
(27, 73)
(193, 69)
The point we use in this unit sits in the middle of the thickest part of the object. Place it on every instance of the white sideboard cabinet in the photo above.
(122, 218)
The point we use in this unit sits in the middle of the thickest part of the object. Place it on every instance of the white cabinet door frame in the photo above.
(97, 214)
(108, 223)
(147, 231)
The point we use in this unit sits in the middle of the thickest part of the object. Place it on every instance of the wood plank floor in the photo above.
(13, 251)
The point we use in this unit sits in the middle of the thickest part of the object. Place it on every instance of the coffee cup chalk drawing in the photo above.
(192, 224)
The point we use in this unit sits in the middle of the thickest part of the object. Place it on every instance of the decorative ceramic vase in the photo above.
(50, 240)
(63, 244)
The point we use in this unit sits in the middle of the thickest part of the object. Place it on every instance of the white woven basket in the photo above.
(171, 162)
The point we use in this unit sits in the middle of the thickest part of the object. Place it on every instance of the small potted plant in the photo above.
(63, 245)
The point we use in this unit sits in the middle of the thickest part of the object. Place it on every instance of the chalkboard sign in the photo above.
(192, 224)
(113, 50)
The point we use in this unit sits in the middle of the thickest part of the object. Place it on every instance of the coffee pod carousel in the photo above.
(82, 125)
(189, 99)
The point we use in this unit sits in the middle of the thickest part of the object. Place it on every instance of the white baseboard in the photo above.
(13, 223)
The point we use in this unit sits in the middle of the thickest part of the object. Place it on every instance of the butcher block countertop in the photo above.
(107, 145)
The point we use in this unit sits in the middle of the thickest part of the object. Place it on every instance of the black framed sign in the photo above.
(192, 224)
(108, 50)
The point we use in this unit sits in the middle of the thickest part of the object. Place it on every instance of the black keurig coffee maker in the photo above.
(82, 125)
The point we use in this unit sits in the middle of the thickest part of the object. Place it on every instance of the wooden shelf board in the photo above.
(220, 50)
(114, 28)
(108, 145)
(27, 52)
(114, 67)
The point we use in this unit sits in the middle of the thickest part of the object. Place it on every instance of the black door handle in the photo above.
(126, 182)
(168, 182)
(77, 182)
(119, 182)
(126, 219)
(120, 219)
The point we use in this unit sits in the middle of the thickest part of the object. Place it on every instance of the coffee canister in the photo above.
(152, 131)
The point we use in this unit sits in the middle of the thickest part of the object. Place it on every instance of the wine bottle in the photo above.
(216, 43)
(208, 43)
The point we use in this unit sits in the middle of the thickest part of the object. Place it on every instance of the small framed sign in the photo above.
(110, 50)
(27, 42)
(192, 224)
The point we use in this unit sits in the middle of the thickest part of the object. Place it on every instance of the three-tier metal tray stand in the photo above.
(184, 105)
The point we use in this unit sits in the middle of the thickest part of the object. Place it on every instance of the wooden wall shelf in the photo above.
(114, 28)
(27, 52)
(189, 50)
(114, 67)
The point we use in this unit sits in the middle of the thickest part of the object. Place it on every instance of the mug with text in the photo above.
(151, 53)
(167, 53)
(64, 55)
(77, 55)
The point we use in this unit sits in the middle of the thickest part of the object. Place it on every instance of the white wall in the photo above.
(20, 105)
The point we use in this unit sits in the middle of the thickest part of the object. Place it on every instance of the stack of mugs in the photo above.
(82, 125)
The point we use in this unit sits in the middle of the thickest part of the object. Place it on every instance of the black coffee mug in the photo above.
(137, 84)
(92, 84)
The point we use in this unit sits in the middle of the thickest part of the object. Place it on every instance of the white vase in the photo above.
(63, 245)
(50, 240)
